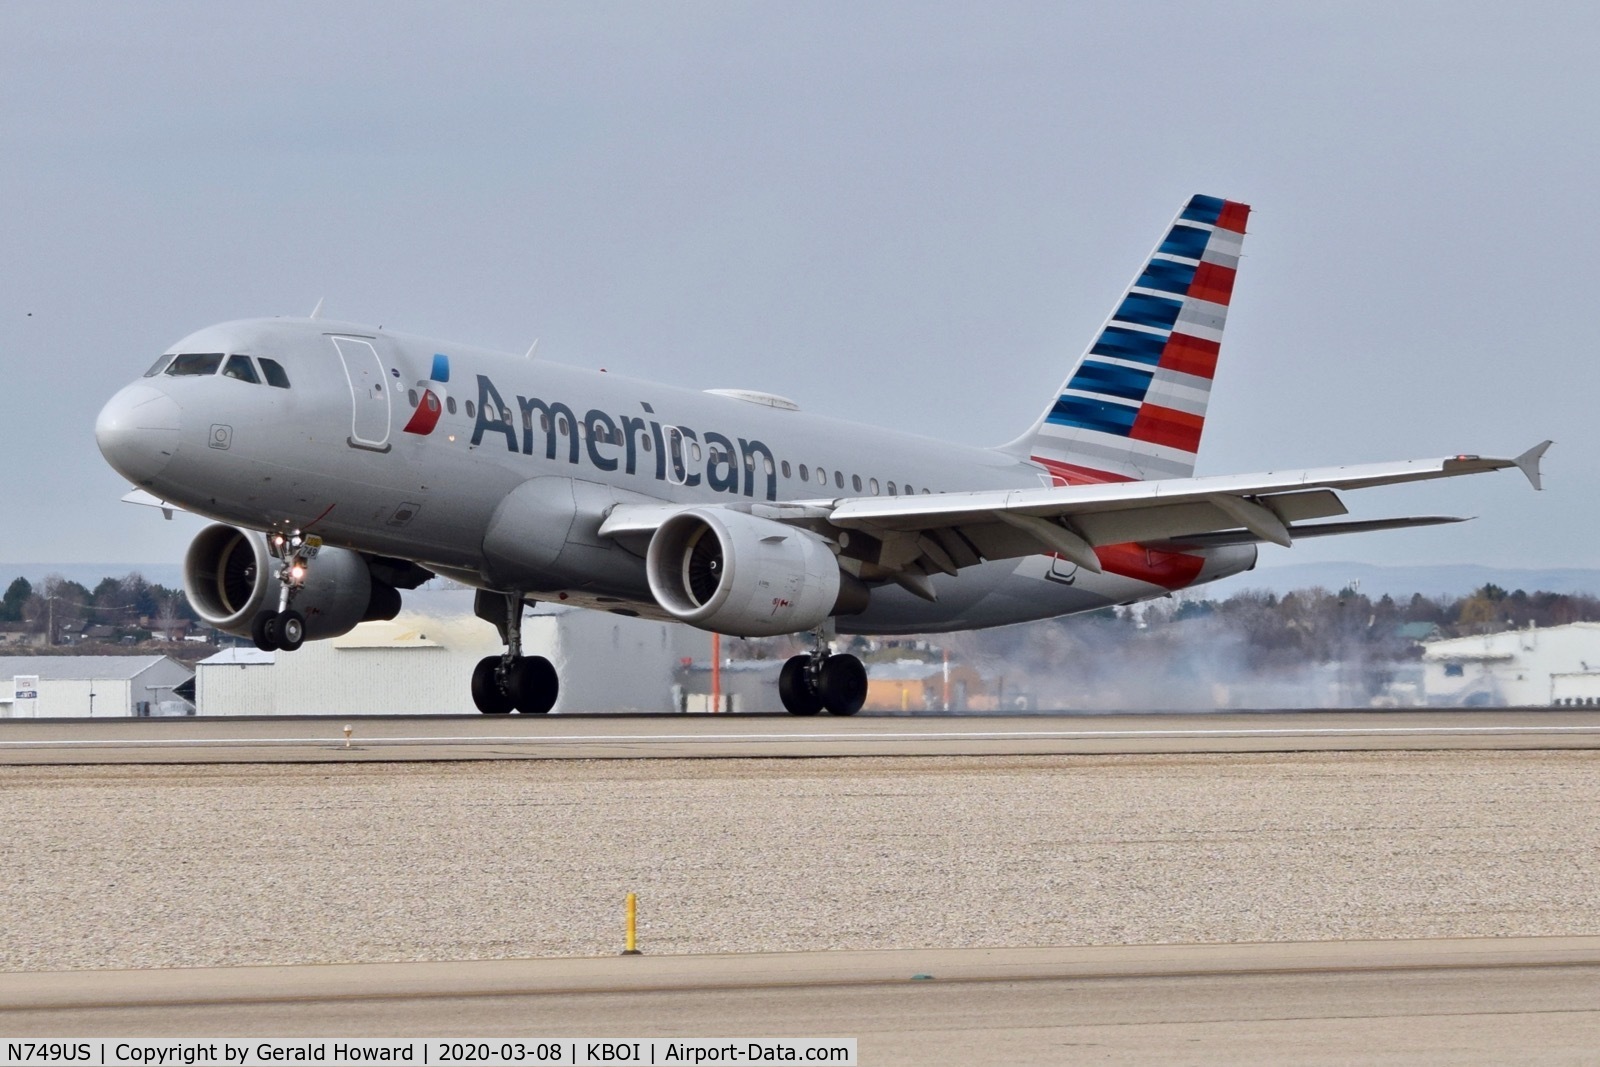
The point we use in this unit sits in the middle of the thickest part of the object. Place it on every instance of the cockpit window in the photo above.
(274, 372)
(241, 368)
(195, 363)
(155, 368)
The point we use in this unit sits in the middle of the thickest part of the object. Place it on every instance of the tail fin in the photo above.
(1135, 403)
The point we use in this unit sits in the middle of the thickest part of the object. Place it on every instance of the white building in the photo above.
(1556, 666)
(99, 687)
(421, 663)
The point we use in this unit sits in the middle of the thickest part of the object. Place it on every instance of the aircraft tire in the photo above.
(534, 685)
(799, 696)
(842, 685)
(258, 632)
(291, 630)
(486, 691)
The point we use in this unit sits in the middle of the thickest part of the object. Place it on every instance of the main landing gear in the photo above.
(816, 680)
(528, 684)
(284, 630)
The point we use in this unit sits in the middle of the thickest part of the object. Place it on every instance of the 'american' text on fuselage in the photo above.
(602, 431)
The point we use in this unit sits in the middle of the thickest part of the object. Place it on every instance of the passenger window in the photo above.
(694, 451)
(156, 367)
(838, 479)
(450, 404)
(855, 482)
(872, 484)
(822, 476)
(907, 490)
(411, 397)
(786, 468)
(195, 364)
(891, 489)
(471, 410)
(241, 368)
(767, 463)
(805, 475)
(272, 370)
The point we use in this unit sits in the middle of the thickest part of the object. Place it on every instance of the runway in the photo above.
(452, 738)
(1448, 1000)
(1247, 888)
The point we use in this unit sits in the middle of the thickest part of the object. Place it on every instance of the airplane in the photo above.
(342, 463)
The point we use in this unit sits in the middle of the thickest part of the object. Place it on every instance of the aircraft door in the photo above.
(369, 394)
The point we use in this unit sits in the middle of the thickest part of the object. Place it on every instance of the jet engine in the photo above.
(733, 573)
(230, 578)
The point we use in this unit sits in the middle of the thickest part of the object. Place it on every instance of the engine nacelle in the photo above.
(734, 573)
(230, 577)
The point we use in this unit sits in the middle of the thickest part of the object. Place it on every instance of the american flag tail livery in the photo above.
(1135, 403)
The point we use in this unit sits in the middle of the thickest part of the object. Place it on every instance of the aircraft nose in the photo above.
(137, 431)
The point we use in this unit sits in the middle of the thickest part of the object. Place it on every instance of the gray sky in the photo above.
(909, 213)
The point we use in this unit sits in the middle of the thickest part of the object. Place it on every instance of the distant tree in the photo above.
(1194, 609)
(141, 594)
(17, 594)
(110, 603)
(169, 617)
(174, 601)
(1425, 609)
(1481, 612)
(66, 603)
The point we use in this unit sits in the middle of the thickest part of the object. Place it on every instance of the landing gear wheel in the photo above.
(291, 630)
(799, 696)
(486, 691)
(842, 685)
(533, 685)
(258, 631)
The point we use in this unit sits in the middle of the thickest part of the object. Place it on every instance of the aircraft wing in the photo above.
(948, 531)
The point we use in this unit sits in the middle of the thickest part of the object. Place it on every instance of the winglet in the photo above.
(1528, 463)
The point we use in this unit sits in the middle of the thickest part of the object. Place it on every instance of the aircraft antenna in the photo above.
(316, 312)
(531, 349)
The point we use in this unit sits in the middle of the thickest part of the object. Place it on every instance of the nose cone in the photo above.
(137, 432)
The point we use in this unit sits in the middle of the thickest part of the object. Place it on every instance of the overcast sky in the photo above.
(915, 214)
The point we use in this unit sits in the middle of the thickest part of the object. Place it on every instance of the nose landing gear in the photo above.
(815, 681)
(285, 629)
(511, 681)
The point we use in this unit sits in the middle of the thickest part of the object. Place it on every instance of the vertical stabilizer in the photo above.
(1134, 405)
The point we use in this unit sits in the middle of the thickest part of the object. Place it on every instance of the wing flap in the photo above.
(1325, 529)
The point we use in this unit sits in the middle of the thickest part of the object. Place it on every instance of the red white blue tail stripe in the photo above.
(1135, 404)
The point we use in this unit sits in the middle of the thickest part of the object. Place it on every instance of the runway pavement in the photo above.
(1132, 850)
(449, 738)
(1526, 1000)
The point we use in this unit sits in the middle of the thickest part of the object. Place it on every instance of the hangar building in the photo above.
(1557, 666)
(99, 687)
(421, 663)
